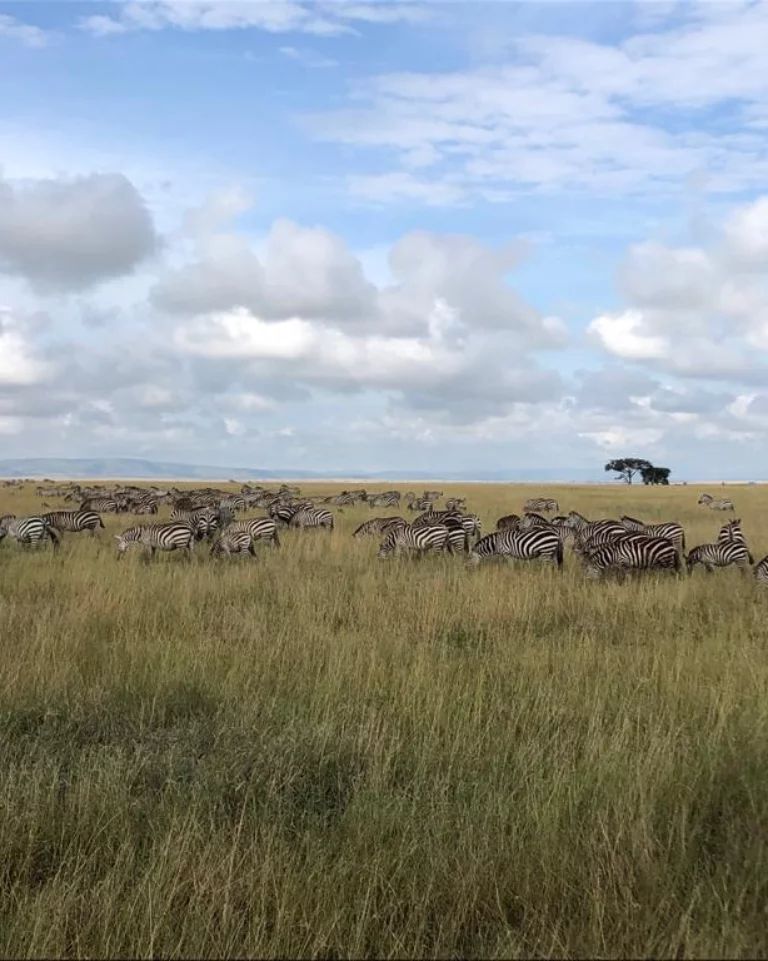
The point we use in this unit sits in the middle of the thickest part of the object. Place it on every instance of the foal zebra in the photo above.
(233, 542)
(420, 540)
(30, 530)
(74, 521)
(716, 504)
(164, 537)
(536, 542)
(723, 554)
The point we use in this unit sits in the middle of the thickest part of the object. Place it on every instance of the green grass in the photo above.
(317, 754)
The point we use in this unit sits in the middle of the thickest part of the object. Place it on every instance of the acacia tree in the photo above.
(627, 467)
(655, 475)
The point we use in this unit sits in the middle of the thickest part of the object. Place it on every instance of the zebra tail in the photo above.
(101, 522)
(54, 535)
(473, 560)
(751, 558)
(559, 553)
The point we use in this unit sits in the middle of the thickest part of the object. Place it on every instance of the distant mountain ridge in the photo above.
(129, 467)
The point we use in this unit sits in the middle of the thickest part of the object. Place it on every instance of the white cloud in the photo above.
(623, 334)
(69, 234)
(19, 363)
(24, 33)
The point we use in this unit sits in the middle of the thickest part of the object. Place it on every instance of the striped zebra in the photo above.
(534, 543)
(419, 541)
(546, 504)
(204, 521)
(164, 537)
(27, 531)
(584, 529)
(456, 504)
(419, 504)
(103, 505)
(74, 521)
(508, 522)
(731, 533)
(715, 503)
(670, 529)
(312, 517)
(231, 543)
(724, 554)
(379, 525)
(386, 499)
(469, 522)
(531, 519)
(633, 552)
(760, 571)
(258, 529)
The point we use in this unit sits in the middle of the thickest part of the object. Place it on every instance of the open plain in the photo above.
(315, 753)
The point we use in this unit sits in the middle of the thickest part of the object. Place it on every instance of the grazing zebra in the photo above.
(525, 545)
(104, 505)
(281, 514)
(419, 504)
(30, 530)
(204, 521)
(420, 540)
(584, 529)
(670, 529)
(716, 504)
(74, 521)
(761, 571)
(546, 504)
(312, 517)
(508, 522)
(469, 522)
(233, 542)
(258, 529)
(379, 525)
(632, 552)
(165, 537)
(387, 499)
(723, 554)
(530, 519)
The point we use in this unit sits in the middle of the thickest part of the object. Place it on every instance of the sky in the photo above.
(382, 236)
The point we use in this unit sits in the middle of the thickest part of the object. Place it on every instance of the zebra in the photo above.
(74, 521)
(723, 554)
(760, 571)
(546, 504)
(258, 528)
(387, 499)
(165, 537)
(419, 504)
(30, 530)
(584, 529)
(232, 542)
(731, 533)
(525, 545)
(456, 503)
(204, 521)
(716, 504)
(420, 540)
(379, 525)
(312, 517)
(469, 522)
(670, 529)
(632, 552)
(531, 519)
(104, 505)
(507, 522)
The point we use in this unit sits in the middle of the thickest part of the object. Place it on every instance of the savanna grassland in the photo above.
(318, 754)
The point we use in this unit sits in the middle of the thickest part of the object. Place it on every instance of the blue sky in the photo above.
(381, 235)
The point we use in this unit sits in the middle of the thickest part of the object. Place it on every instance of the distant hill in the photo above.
(128, 467)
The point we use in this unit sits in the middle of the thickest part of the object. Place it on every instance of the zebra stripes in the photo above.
(508, 522)
(526, 545)
(231, 543)
(419, 540)
(257, 528)
(760, 571)
(716, 504)
(311, 517)
(378, 525)
(546, 504)
(28, 531)
(723, 554)
(634, 552)
(671, 530)
(74, 521)
(163, 537)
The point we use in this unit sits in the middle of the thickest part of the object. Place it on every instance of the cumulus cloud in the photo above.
(20, 364)
(694, 311)
(68, 234)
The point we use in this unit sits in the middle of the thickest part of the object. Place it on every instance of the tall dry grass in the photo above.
(318, 754)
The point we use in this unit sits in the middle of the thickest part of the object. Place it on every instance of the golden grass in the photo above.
(318, 754)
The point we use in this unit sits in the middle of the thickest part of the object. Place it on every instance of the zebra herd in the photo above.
(603, 547)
